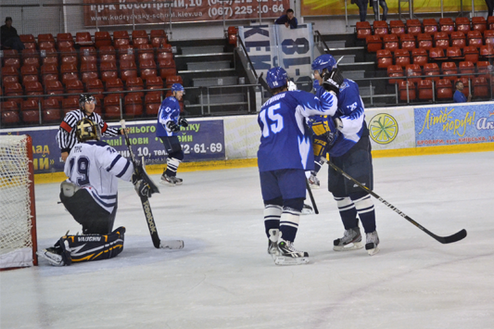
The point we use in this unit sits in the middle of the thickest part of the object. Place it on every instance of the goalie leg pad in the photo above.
(94, 246)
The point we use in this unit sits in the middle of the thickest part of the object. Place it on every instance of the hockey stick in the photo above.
(311, 197)
(443, 239)
(146, 206)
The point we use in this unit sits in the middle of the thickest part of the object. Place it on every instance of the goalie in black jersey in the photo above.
(90, 195)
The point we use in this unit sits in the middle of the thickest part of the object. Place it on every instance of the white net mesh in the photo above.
(16, 242)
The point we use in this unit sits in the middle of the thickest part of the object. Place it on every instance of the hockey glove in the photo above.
(332, 80)
(172, 126)
(184, 123)
(142, 188)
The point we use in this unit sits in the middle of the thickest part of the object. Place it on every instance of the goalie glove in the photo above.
(184, 123)
(332, 80)
(142, 188)
(172, 126)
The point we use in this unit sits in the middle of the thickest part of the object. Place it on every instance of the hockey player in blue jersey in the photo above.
(349, 149)
(90, 195)
(167, 128)
(285, 153)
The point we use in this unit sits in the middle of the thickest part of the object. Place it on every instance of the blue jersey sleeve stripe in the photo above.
(113, 162)
(124, 170)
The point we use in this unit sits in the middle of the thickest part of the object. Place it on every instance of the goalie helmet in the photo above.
(87, 130)
(322, 62)
(83, 99)
(276, 77)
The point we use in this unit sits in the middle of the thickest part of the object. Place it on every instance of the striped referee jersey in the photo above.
(66, 136)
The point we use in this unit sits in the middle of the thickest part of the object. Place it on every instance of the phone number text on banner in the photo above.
(454, 124)
(107, 12)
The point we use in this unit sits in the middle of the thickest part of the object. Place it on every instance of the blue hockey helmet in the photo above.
(325, 61)
(177, 87)
(276, 77)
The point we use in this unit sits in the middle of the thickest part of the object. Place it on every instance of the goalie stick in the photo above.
(443, 239)
(146, 206)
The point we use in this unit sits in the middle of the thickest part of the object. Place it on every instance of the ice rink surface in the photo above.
(224, 278)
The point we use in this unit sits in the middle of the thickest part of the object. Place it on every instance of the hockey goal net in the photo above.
(17, 208)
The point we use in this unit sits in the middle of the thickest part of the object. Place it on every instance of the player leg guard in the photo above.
(272, 214)
(289, 223)
(352, 239)
(366, 212)
(347, 210)
(94, 246)
(170, 175)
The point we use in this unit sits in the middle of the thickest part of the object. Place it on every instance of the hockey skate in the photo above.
(171, 180)
(56, 256)
(307, 210)
(351, 240)
(288, 255)
(273, 242)
(314, 181)
(372, 241)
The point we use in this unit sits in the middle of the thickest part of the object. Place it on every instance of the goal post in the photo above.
(18, 242)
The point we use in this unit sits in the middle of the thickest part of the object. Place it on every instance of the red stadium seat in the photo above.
(407, 90)
(157, 38)
(102, 38)
(29, 71)
(128, 69)
(432, 69)
(152, 103)
(115, 84)
(437, 54)
(462, 24)
(441, 40)
(420, 56)
(135, 83)
(139, 37)
(33, 88)
(480, 87)
(28, 40)
(479, 23)
(425, 90)
(394, 71)
(449, 68)
(14, 89)
(446, 24)
(94, 86)
(380, 27)
(55, 87)
(402, 57)
(444, 89)
(391, 42)
(485, 68)
(465, 68)
(70, 103)
(154, 83)
(489, 38)
(83, 39)
(397, 27)
(10, 113)
(454, 53)
(486, 52)
(30, 111)
(50, 110)
(374, 43)
(133, 106)
(458, 39)
(384, 58)
(111, 107)
(407, 41)
(413, 26)
(430, 25)
(412, 70)
(74, 87)
(475, 38)
(471, 53)
(108, 70)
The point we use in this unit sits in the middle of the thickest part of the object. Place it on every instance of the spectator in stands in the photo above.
(384, 6)
(362, 6)
(9, 36)
(490, 7)
(459, 96)
(288, 19)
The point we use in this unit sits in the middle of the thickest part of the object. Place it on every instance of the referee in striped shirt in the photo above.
(66, 136)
